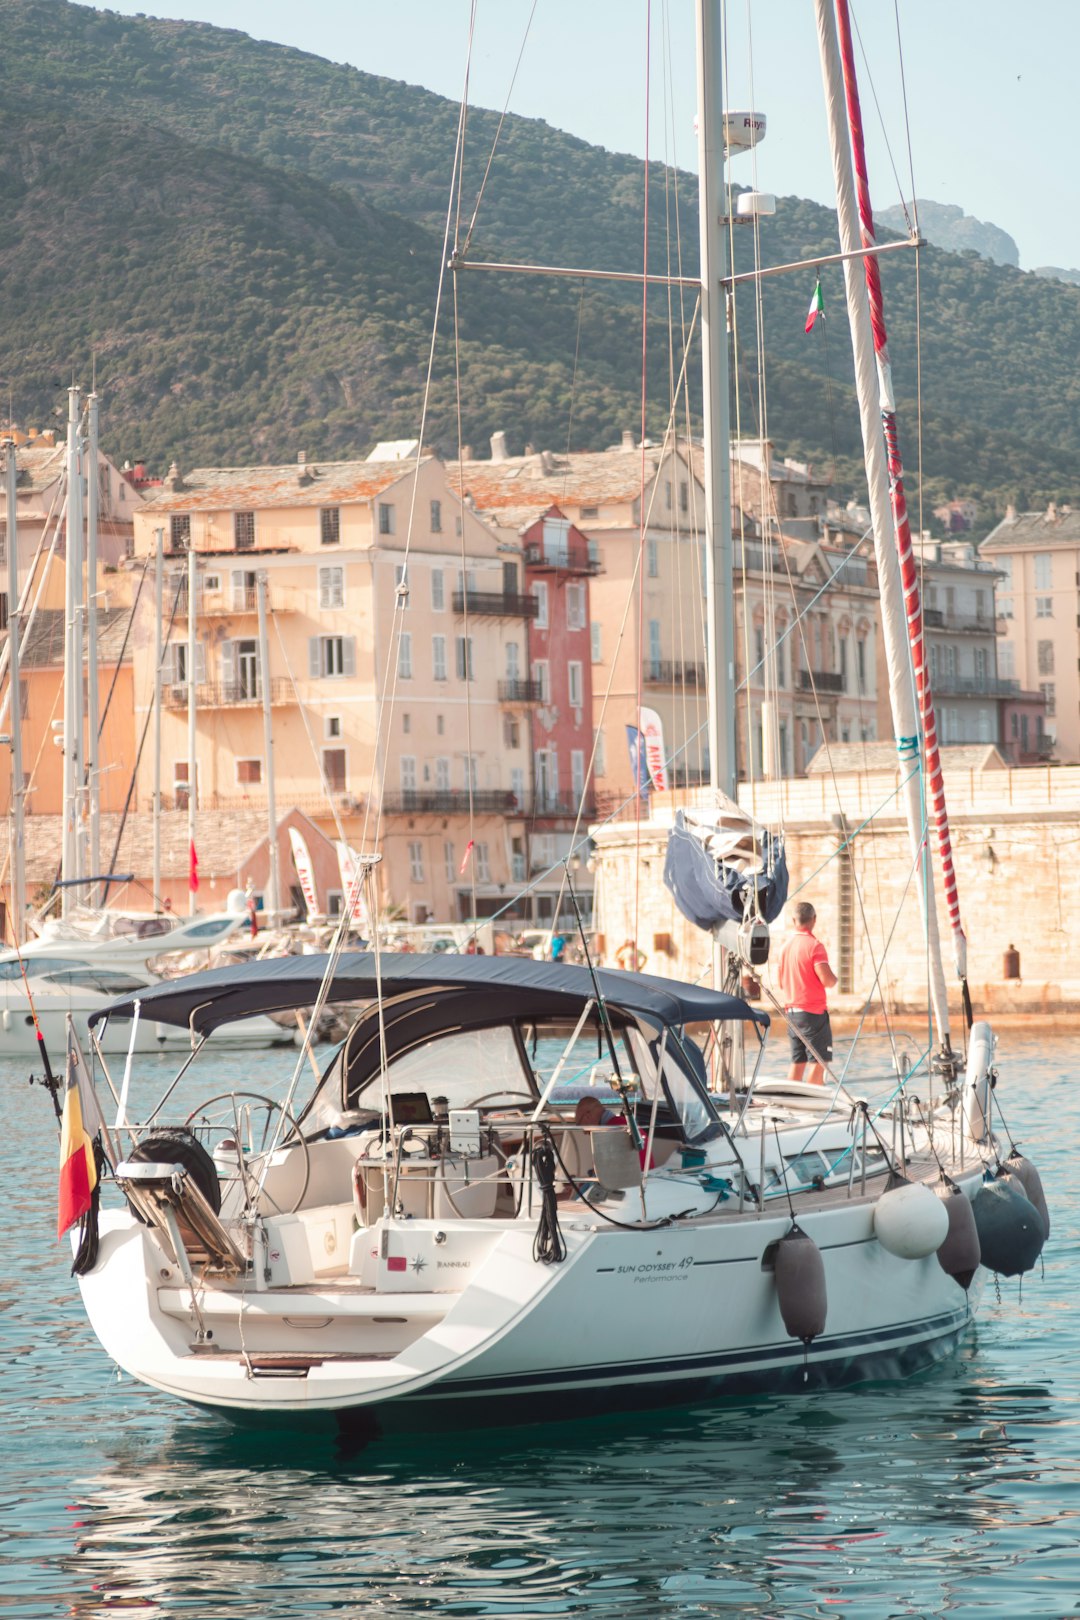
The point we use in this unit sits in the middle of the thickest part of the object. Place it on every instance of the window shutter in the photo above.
(348, 653)
(314, 658)
(228, 663)
(200, 664)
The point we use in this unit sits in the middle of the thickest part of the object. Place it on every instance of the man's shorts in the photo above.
(806, 1030)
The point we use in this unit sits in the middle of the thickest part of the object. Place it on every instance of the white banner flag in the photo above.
(652, 729)
(352, 882)
(305, 872)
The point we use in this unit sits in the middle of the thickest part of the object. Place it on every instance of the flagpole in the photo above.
(192, 649)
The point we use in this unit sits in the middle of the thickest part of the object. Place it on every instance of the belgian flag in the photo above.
(78, 1172)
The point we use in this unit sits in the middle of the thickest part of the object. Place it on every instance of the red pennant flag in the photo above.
(193, 869)
(78, 1173)
(465, 857)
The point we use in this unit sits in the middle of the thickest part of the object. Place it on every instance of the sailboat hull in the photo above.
(625, 1322)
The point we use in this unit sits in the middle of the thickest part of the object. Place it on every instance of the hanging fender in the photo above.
(1031, 1181)
(799, 1272)
(960, 1254)
(977, 1081)
(910, 1221)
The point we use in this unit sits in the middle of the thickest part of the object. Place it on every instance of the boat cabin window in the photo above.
(585, 1062)
(461, 1067)
(103, 980)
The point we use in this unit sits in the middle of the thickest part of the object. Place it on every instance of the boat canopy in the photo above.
(205, 1001)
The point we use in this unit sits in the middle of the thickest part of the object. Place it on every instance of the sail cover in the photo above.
(721, 867)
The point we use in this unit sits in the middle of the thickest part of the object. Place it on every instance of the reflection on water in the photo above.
(956, 1493)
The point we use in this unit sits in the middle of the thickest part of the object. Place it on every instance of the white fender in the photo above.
(911, 1221)
(977, 1082)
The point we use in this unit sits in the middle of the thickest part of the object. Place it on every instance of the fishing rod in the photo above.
(50, 1081)
(605, 1020)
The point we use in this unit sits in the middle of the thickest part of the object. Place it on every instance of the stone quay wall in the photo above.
(1016, 849)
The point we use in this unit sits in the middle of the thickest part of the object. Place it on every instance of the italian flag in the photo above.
(817, 307)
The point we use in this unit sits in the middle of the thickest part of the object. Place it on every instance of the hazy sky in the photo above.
(991, 88)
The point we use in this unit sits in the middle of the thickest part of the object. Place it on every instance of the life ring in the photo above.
(629, 958)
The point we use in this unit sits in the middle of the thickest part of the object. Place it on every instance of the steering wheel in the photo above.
(225, 1117)
(487, 1096)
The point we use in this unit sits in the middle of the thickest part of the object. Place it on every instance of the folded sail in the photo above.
(722, 867)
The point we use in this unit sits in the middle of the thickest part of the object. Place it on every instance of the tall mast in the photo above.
(159, 628)
(897, 653)
(720, 621)
(92, 766)
(192, 651)
(18, 851)
(273, 885)
(72, 657)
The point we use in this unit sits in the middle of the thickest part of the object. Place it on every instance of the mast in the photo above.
(720, 620)
(192, 650)
(273, 884)
(159, 603)
(18, 850)
(891, 590)
(72, 660)
(91, 766)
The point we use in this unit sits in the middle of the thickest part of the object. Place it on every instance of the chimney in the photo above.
(1010, 514)
(547, 461)
(173, 479)
(499, 451)
(1051, 513)
(466, 452)
(301, 457)
(628, 442)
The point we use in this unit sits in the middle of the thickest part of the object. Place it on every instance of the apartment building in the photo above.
(1037, 556)
(392, 614)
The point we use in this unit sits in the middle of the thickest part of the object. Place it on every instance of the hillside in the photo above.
(245, 240)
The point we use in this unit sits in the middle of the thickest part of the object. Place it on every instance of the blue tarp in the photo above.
(709, 892)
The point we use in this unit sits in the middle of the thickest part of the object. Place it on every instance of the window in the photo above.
(469, 772)
(331, 587)
(1044, 607)
(652, 559)
(595, 641)
(401, 587)
(248, 771)
(3, 610)
(449, 863)
(180, 531)
(438, 657)
(517, 860)
(1044, 571)
(541, 674)
(3, 542)
(540, 591)
(404, 656)
(436, 517)
(860, 662)
(981, 663)
(442, 776)
(330, 656)
(575, 685)
(1004, 601)
(416, 861)
(242, 590)
(406, 723)
(843, 664)
(590, 511)
(333, 764)
(243, 528)
(333, 725)
(438, 590)
(684, 495)
(329, 525)
(600, 752)
(667, 493)
(511, 731)
(386, 518)
(464, 658)
(517, 789)
(654, 649)
(575, 606)
(1047, 690)
(577, 774)
(1046, 657)
(440, 724)
(513, 661)
(483, 867)
(407, 769)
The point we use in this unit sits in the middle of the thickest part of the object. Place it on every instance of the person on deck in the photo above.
(804, 974)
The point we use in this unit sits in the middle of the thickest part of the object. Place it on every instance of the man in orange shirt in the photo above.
(804, 974)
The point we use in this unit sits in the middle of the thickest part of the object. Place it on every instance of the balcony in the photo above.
(820, 680)
(663, 672)
(572, 559)
(547, 807)
(973, 686)
(450, 802)
(231, 600)
(496, 604)
(521, 692)
(227, 694)
(939, 619)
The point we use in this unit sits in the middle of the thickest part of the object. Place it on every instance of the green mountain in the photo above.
(243, 243)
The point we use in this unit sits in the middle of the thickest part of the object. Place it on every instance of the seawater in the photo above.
(956, 1493)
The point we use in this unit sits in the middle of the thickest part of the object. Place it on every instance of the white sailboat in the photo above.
(450, 1226)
